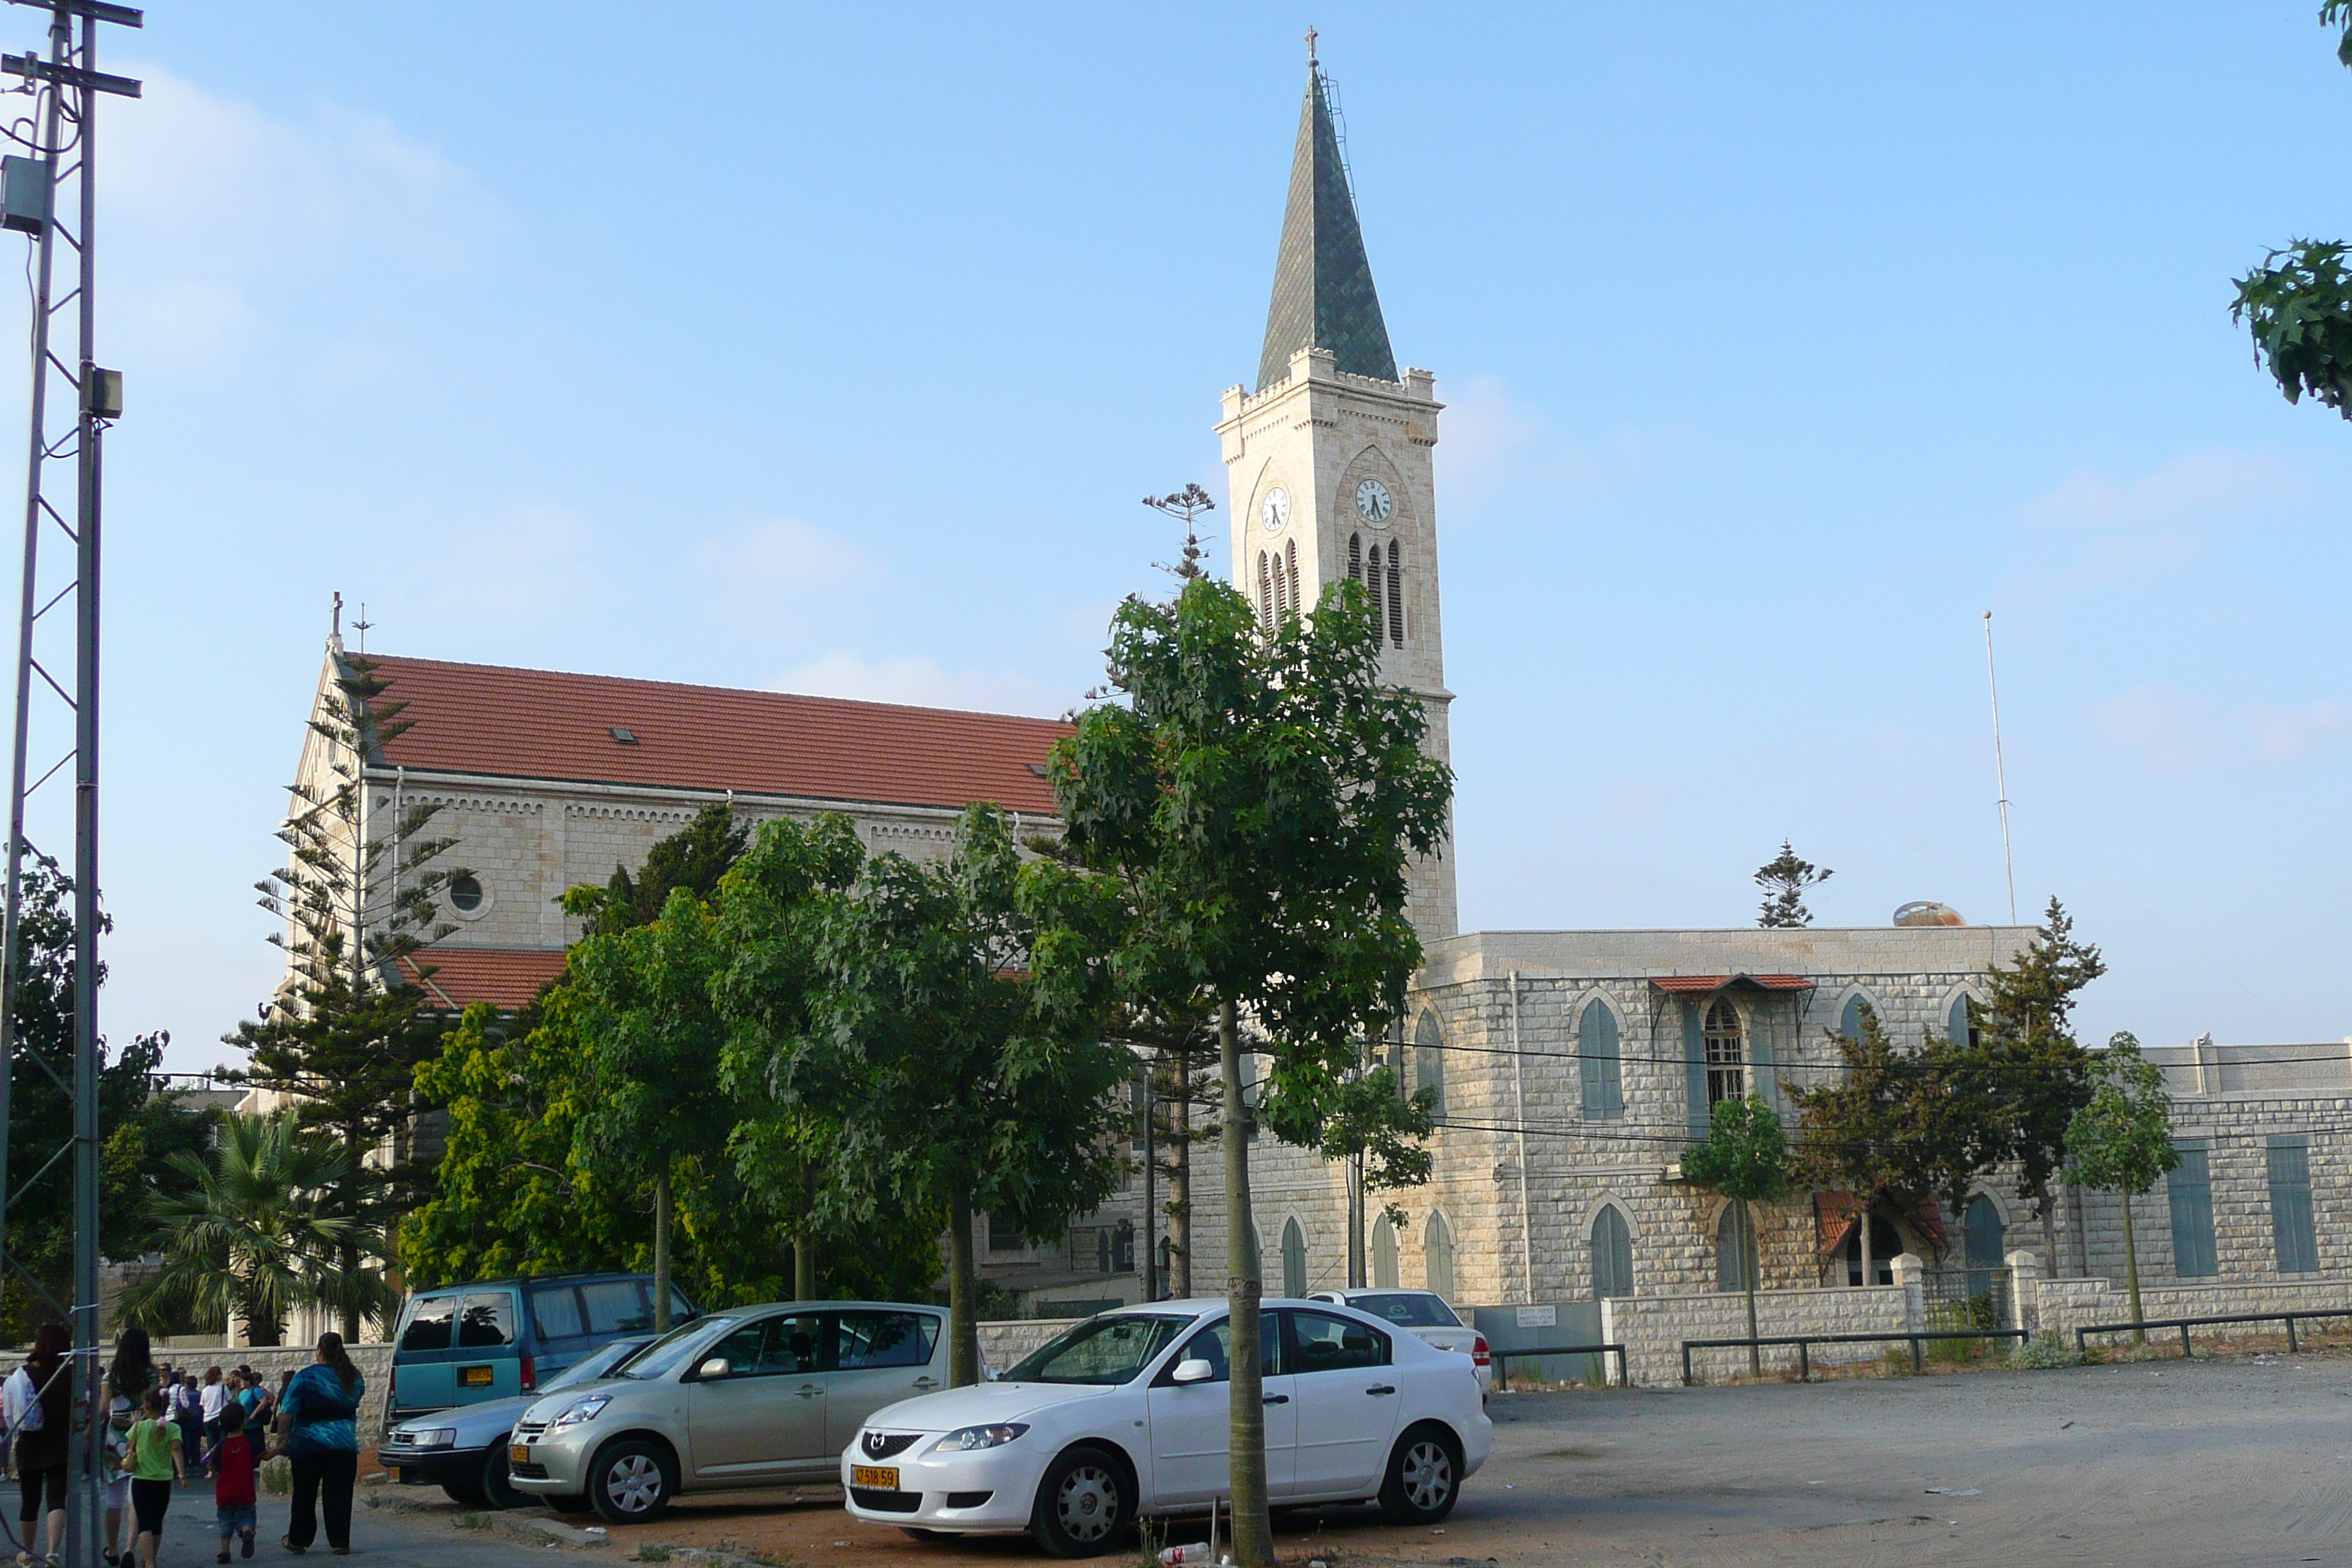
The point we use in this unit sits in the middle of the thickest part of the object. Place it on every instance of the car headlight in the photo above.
(584, 1409)
(436, 1437)
(964, 1439)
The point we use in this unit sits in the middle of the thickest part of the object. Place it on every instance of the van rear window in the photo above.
(487, 1320)
(555, 1310)
(427, 1328)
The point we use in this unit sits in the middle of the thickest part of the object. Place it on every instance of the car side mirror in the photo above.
(1194, 1371)
(716, 1366)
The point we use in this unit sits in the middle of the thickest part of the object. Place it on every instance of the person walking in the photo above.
(157, 1464)
(320, 1417)
(130, 1378)
(234, 1500)
(188, 1414)
(214, 1395)
(39, 1401)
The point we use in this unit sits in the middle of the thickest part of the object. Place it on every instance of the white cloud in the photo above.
(920, 682)
(1484, 429)
(2174, 731)
(2106, 529)
(540, 558)
(784, 555)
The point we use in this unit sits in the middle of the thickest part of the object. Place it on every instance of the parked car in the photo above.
(1125, 1416)
(495, 1339)
(463, 1450)
(749, 1396)
(1425, 1315)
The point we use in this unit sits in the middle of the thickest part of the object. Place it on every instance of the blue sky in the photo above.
(828, 349)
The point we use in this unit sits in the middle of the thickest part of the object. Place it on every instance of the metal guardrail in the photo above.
(2185, 1324)
(1804, 1358)
(1502, 1375)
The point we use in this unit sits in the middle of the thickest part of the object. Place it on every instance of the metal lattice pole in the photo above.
(63, 154)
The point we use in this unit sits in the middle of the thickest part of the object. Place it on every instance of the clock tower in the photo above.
(1328, 460)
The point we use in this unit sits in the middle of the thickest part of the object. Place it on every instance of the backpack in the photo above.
(20, 1402)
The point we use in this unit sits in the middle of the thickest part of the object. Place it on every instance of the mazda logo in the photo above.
(875, 1443)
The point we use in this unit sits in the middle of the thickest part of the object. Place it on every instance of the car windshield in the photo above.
(596, 1363)
(1408, 1309)
(1100, 1350)
(665, 1355)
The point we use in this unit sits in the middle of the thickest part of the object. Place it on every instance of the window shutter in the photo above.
(1291, 553)
(2189, 1192)
(1694, 1062)
(1355, 558)
(1373, 580)
(1763, 1079)
(1604, 1084)
(2289, 1161)
(1396, 594)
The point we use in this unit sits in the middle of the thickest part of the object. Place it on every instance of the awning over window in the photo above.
(1834, 1214)
(1685, 984)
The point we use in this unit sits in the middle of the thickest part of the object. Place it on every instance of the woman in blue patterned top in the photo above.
(320, 1423)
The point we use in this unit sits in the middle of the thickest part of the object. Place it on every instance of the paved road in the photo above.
(383, 1537)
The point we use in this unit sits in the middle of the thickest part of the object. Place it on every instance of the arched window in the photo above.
(1850, 1024)
(1396, 594)
(1731, 1260)
(1437, 1256)
(1961, 1028)
(1428, 1061)
(1384, 1255)
(1596, 1049)
(1264, 593)
(1612, 1254)
(1373, 581)
(1291, 551)
(1983, 1239)
(1294, 1259)
(1281, 601)
(1355, 558)
(1727, 1055)
(1885, 1242)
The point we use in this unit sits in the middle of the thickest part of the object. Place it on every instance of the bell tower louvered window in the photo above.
(1396, 594)
(1355, 558)
(1281, 602)
(1264, 593)
(1373, 581)
(1290, 551)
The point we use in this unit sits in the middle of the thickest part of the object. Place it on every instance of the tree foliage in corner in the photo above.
(1784, 880)
(2298, 302)
(1745, 1157)
(2122, 1139)
(360, 899)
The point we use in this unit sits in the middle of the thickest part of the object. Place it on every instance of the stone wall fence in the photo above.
(1653, 1328)
(2066, 1305)
(374, 1363)
(1002, 1344)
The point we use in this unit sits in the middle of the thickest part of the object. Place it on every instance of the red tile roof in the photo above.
(460, 976)
(542, 724)
(1717, 981)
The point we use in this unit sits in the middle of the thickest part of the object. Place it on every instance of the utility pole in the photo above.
(59, 156)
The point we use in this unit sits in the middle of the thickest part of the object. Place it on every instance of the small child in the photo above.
(156, 1462)
(232, 1466)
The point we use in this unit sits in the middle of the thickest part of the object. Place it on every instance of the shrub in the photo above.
(277, 1477)
(2042, 1351)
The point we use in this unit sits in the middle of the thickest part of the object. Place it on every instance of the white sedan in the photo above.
(1125, 1416)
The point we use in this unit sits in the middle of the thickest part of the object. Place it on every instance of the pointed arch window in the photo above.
(1597, 1056)
(1396, 594)
(1850, 1022)
(1612, 1254)
(1961, 1028)
(1732, 1263)
(1281, 601)
(1264, 593)
(1727, 1056)
(1437, 1256)
(1298, 605)
(1355, 558)
(1384, 1255)
(1373, 581)
(1294, 1259)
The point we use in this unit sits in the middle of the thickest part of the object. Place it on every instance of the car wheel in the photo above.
(1424, 1477)
(921, 1534)
(1083, 1505)
(498, 1491)
(630, 1481)
(469, 1494)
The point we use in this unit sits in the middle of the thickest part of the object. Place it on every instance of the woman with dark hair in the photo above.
(320, 1417)
(41, 1407)
(129, 1380)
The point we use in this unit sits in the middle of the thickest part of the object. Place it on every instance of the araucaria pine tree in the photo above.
(1784, 880)
(361, 900)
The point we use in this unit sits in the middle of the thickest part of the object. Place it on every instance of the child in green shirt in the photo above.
(153, 1454)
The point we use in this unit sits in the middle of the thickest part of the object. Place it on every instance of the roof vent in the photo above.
(626, 737)
(1039, 769)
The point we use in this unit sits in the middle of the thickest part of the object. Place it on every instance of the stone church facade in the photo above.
(1572, 1067)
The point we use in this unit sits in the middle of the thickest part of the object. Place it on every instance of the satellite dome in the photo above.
(1927, 912)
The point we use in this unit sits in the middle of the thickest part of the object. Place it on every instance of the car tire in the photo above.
(632, 1481)
(498, 1489)
(465, 1493)
(1423, 1478)
(1085, 1504)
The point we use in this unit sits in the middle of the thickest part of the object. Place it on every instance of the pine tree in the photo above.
(1784, 880)
(344, 1035)
(2034, 1074)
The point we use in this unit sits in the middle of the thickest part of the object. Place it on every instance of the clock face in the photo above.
(1275, 510)
(1373, 500)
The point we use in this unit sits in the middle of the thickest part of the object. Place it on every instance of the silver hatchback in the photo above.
(746, 1396)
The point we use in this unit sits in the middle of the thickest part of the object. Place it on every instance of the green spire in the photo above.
(1323, 295)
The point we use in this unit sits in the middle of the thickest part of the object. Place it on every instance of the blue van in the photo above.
(495, 1339)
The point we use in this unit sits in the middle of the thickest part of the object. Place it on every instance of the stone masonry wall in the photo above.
(1653, 1328)
(2070, 1304)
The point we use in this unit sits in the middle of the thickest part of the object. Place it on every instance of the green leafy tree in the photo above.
(360, 896)
(956, 1048)
(1744, 1157)
(2298, 302)
(2123, 1139)
(1784, 880)
(254, 1233)
(1256, 796)
(2029, 1074)
(1860, 1134)
(694, 857)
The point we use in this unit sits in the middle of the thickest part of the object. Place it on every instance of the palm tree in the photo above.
(250, 1236)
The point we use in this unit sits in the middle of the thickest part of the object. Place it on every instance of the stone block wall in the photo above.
(2070, 1304)
(1002, 1344)
(1653, 1328)
(374, 1363)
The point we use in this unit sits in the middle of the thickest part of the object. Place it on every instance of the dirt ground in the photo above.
(2152, 1464)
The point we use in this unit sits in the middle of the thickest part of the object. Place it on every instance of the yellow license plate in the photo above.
(882, 1478)
(475, 1376)
(519, 1454)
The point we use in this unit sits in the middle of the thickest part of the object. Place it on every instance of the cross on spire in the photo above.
(1310, 46)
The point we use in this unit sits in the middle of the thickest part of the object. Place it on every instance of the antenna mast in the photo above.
(2000, 770)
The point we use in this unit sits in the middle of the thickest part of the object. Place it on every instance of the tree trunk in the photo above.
(963, 1333)
(1356, 1280)
(350, 1261)
(661, 1250)
(1180, 1184)
(804, 1240)
(2049, 1228)
(1869, 1273)
(2131, 1271)
(1253, 1528)
(1750, 1266)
